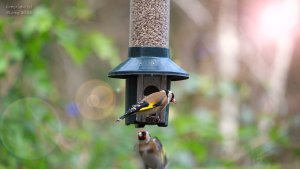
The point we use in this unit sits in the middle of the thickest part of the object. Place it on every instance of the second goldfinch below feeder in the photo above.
(148, 68)
(151, 151)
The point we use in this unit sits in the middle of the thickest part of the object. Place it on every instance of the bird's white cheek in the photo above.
(169, 100)
(148, 139)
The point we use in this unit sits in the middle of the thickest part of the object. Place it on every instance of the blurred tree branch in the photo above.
(195, 10)
(227, 63)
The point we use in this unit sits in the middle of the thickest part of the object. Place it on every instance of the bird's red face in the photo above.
(143, 135)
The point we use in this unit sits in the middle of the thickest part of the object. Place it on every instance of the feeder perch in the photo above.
(148, 68)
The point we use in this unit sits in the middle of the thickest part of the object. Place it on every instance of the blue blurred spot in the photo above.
(72, 109)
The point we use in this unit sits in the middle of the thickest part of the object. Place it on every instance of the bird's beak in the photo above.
(174, 101)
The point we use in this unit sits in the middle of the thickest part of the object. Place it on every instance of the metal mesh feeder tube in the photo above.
(149, 23)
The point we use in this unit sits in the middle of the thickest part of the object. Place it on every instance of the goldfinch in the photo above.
(151, 151)
(155, 102)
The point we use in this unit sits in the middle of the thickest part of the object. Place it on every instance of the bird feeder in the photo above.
(148, 68)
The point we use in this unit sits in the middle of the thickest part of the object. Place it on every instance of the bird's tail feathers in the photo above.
(124, 116)
(121, 118)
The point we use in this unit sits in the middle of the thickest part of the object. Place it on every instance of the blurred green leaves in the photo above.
(3, 65)
(41, 21)
(29, 45)
(11, 52)
(34, 136)
(76, 46)
(79, 10)
(26, 131)
(104, 48)
(80, 45)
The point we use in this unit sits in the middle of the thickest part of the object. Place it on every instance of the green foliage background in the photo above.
(192, 139)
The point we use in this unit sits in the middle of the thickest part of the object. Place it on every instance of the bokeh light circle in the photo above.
(95, 100)
(279, 19)
(30, 128)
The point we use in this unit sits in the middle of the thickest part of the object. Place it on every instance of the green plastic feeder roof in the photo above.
(148, 61)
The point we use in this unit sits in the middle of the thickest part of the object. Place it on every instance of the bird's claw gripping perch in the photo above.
(152, 119)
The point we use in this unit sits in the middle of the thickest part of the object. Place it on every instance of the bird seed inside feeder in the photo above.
(149, 23)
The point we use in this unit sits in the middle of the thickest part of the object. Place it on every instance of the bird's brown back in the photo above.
(156, 97)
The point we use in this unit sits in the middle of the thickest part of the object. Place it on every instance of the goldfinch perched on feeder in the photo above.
(155, 102)
(151, 151)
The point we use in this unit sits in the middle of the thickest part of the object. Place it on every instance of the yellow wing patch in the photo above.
(150, 106)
